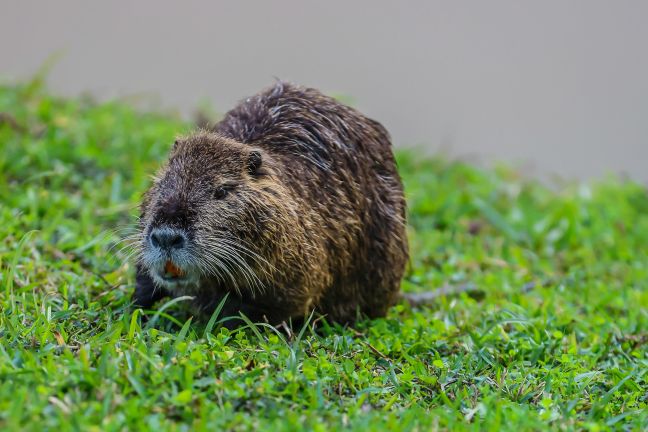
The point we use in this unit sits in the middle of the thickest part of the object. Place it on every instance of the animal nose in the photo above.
(167, 238)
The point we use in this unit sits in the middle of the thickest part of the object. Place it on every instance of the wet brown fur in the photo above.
(323, 216)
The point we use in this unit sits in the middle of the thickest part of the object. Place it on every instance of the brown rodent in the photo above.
(292, 203)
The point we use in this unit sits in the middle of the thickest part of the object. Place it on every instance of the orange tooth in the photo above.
(173, 269)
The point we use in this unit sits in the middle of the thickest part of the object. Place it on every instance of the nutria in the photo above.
(291, 204)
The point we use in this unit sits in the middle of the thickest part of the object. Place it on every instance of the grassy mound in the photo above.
(549, 329)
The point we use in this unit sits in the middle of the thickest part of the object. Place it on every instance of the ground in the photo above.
(543, 324)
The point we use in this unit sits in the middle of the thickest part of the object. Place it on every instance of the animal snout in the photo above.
(167, 239)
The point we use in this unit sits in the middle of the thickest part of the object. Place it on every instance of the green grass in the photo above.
(552, 335)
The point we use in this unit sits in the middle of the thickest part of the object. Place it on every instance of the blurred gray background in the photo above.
(557, 87)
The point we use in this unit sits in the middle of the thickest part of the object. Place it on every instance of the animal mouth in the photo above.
(172, 271)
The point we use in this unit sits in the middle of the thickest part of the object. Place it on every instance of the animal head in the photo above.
(211, 213)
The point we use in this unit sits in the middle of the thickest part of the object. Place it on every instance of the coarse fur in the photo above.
(292, 203)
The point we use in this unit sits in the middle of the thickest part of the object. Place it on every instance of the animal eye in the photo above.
(220, 192)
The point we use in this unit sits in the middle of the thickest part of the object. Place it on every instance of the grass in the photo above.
(551, 334)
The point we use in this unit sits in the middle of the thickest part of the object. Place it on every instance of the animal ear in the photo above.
(177, 143)
(254, 162)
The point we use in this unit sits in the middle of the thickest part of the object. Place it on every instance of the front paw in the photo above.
(146, 293)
